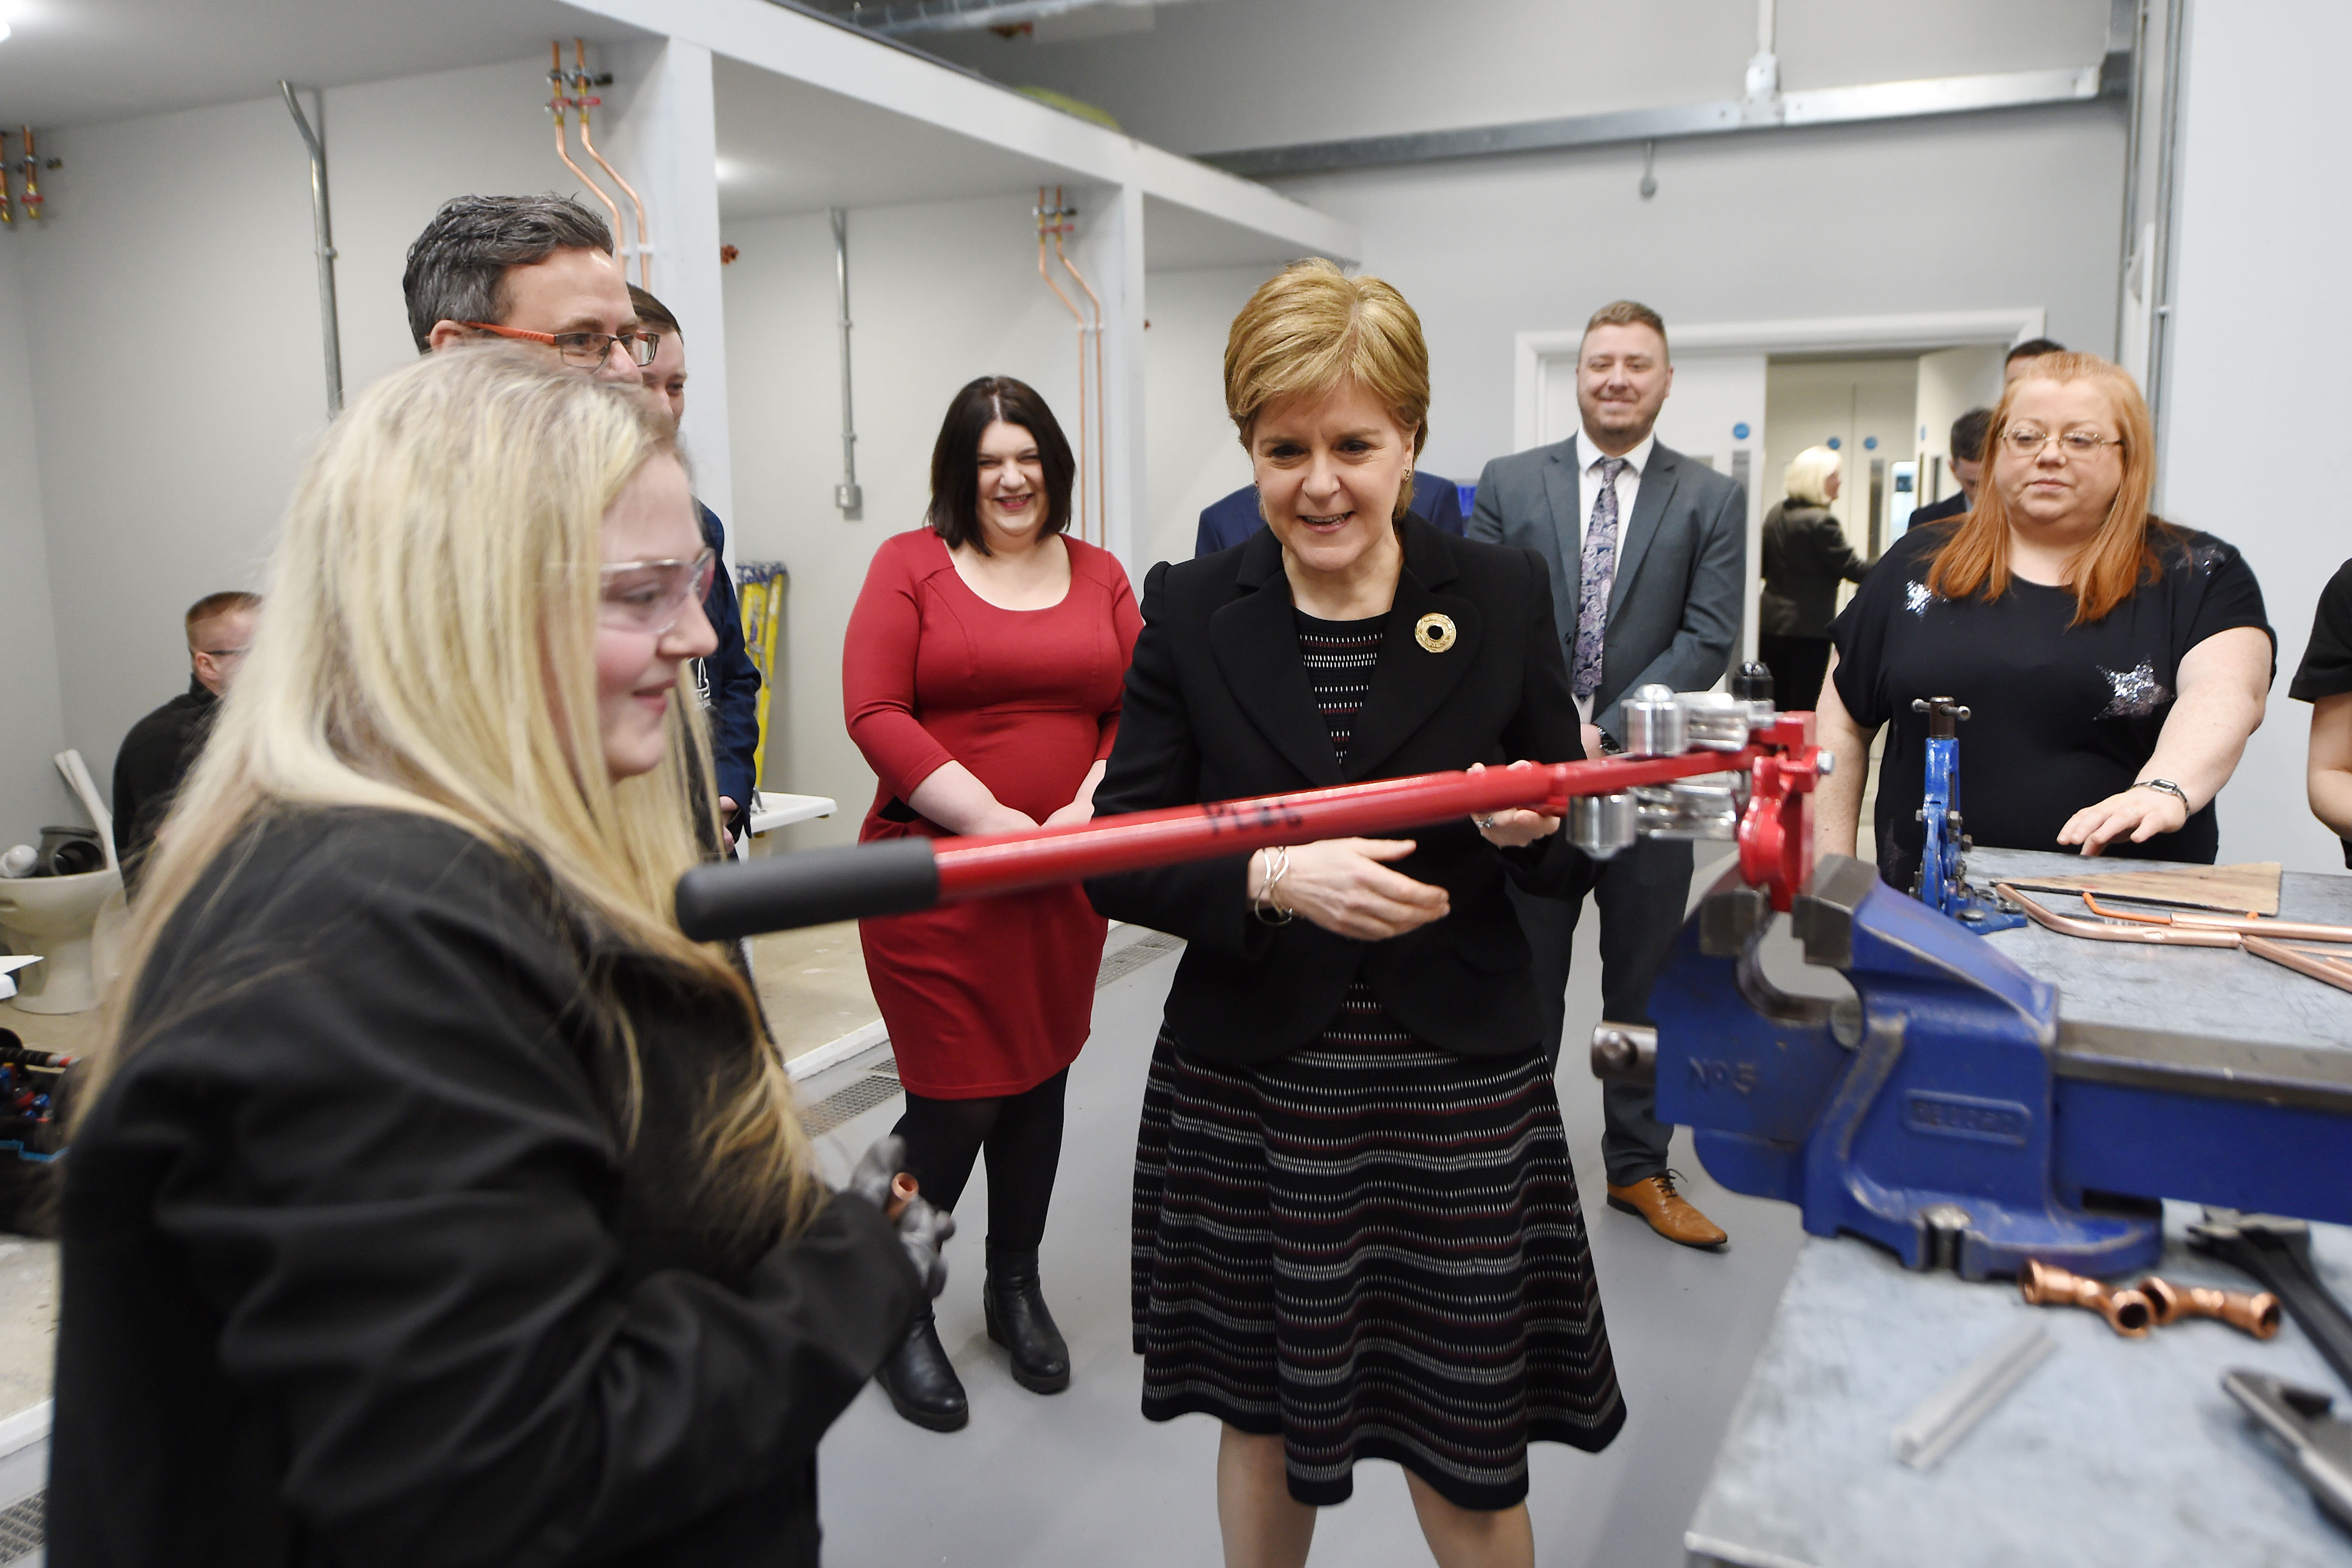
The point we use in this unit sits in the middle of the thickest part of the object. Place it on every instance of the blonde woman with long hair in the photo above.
(439, 1201)
(2114, 664)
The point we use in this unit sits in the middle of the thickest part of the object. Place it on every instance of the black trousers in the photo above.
(1798, 666)
(1021, 1134)
(1641, 896)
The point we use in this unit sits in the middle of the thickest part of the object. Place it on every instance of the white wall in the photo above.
(170, 304)
(1193, 454)
(1490, 248)
(32, 719)
(2261, 339)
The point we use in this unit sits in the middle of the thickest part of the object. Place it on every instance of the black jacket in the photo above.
(360, 1268)
(1217, 707)
(1806, 556)
(147, 767)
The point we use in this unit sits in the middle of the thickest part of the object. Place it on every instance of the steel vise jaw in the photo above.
(1918, 1115)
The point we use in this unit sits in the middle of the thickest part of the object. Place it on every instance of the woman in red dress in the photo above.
(981, 680)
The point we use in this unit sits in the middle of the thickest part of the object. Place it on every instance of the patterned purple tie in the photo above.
(1595, 573)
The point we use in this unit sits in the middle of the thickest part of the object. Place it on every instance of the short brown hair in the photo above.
(1629, 313)
(2032, 349)
(214, 606)
(652, 312)
(2120, 557)
(955, 457)
(1311, 329)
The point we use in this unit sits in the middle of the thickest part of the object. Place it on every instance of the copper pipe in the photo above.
(32, 174)
(2127, 1312)
(1102, 411)
(2255, 1312)
(2245, 924)
(1048, 220)
(556, 106)
(2101, 931)
(2334, 969)
(645, 238)
(7, 203)
(903, 1189)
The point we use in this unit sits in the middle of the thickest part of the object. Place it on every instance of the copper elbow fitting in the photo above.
(2127, 1312)
(2253, 1311)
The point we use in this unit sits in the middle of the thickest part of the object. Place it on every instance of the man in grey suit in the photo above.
(1648, 552)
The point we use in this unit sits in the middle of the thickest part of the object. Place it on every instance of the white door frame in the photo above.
(1537, 351)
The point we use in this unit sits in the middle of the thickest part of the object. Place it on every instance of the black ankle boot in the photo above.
(922, 1384)
(1018, 1320)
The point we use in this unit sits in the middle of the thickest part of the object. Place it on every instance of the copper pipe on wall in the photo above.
(1049, 222)
(1102, 411)
(580, 85)
(32, 167)
(2127, 1312)
(557, 106)
(2254, 1311)
(7, 202)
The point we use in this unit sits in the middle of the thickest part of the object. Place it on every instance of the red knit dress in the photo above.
(995, 996)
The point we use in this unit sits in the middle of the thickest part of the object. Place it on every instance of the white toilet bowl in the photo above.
(55, 916)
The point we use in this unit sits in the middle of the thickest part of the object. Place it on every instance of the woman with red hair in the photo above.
(2114, 664)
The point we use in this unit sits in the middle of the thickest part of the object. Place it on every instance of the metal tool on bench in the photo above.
(1943, 880)
(1700, 765)
(1942, 1112)
(2278, 1253)
(2318, 1444)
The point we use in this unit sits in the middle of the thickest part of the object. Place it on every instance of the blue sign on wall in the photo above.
(1870, 444)
(1739, 431)
(1834, 443)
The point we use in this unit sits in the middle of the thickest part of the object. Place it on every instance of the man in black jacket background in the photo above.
(160, 749)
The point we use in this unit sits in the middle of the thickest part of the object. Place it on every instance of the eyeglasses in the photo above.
(648, 597)
(225, 653)
(2027, 442)
(585, 350)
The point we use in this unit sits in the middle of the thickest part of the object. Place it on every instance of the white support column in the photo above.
(666, 142)
(1111, 246)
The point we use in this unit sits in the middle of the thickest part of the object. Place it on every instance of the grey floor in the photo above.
(1082, 1479)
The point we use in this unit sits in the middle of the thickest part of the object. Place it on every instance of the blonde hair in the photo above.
(1807, 478)
(1310, 330)
(430, 649)
(2120, 557)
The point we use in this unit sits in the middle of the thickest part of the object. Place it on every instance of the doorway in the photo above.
(1862, 408)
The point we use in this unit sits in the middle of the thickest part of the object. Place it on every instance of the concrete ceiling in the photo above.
(72, 62)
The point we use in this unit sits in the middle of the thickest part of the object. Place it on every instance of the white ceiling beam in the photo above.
(833, 56)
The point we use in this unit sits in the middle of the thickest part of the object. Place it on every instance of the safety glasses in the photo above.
(649, 597)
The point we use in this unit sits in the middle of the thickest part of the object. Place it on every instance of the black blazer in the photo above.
(1806, 556)
(1218, 705)
(361, 1266)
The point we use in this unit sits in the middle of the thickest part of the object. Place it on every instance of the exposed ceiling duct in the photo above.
(896, 18)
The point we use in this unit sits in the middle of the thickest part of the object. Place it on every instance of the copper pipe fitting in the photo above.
(2253, 1311)
(903, 1189)
(2127, 1312)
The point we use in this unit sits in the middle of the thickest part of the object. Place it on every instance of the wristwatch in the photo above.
(2169, 787)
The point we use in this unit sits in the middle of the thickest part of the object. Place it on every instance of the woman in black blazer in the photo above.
(1806, 556)
(1356, 1233)
(443, 1203)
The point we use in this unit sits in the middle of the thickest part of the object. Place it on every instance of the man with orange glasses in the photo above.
(535, 269)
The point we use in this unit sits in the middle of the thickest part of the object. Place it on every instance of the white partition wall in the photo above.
(2255, 395)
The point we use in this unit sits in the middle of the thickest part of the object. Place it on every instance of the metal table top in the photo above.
(2112, 1450)
(2213, 1007)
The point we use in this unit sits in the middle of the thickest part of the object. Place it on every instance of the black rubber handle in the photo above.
(814, 887)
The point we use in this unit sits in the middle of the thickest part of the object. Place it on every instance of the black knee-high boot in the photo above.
(1019, 1321)
(922, 1384)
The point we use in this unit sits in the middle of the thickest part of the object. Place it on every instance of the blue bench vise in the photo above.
(1937, 1112)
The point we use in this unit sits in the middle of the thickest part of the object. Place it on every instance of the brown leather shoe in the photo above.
(1670, 1214)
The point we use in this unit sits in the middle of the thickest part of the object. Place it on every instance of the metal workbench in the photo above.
(2113, 1451)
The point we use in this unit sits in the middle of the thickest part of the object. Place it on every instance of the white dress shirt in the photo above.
(1588, 491)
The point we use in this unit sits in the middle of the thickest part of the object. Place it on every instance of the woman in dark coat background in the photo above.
(1356, 1233)
(1806, 556)
(443, 1204)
